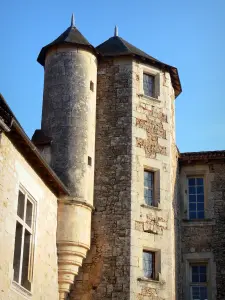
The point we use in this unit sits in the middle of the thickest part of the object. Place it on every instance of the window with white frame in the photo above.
(198, 281)
(149, 85)
(196, 198)
(24, 236)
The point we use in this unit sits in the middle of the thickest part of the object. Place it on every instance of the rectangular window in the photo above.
(92, 86)
(149, 85)
(196, 198)
(149, 264)
(198, 282)
(149, 187)
(23, 250)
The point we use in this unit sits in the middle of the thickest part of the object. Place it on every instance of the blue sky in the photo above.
(187, 34)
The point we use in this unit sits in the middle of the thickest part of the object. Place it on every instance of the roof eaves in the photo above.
(31, 153)
(202, 156)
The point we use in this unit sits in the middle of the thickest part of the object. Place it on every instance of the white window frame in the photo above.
(187, 189)
(200, 258)
(31, 230)
(198, 284)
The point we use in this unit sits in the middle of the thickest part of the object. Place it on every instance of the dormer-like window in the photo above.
(149, 85)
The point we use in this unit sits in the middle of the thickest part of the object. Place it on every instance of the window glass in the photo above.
(196, 198)
(29, 213)
(21, 205)
(149, 264)
(198, 282)
(149, 187)
(22, 262)
(148, 84)
(17, 251)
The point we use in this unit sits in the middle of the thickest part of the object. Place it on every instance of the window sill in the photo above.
(149, 98)
(145, 279)
(198, 222)
(151, 207)
(21, 290)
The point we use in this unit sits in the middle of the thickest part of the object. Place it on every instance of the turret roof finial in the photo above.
(72, 21)
(116, 31)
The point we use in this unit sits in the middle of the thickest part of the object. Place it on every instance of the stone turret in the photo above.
(68, 121)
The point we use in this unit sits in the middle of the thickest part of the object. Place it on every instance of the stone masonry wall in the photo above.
(15, 171)
(218, 236)
(105, 273)
(69, 115)
(153, 148)
(204, 240)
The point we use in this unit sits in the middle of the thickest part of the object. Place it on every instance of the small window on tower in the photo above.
(149, 188)
(89, 161)
(149, 85)
(149, 264)
(92, 86)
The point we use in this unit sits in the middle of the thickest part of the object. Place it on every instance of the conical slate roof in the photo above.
(116, 46)
(71, 36)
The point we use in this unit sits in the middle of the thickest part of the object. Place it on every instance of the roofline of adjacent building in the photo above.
(202, 156)
(24, 145)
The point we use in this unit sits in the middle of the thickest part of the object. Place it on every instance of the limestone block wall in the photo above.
(153, 149)
(15, 171)
(105, 273)
(203, 240)
(68, 117)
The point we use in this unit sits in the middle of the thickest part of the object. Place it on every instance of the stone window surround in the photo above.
(194, 171)
(19, 289)
(204, 257)
(157, 264)
(156, 187)
(157, 83)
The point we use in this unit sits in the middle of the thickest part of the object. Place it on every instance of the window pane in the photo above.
(202, 269)
(199, 181)
(192, 215)
(191, 181)
(20, 205)
(25, 267)
(192, 190)
(148, 264)
(192, 198)
(192, 206)
(202, 278)
(199, 293)
(200, 214)
(200, 198)
(148, 85)
(149, 187)
(200, 206)
(195, 278)
(29, 213)
(195, 269)
(198, 273)
(17, 251)
(200, 190)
